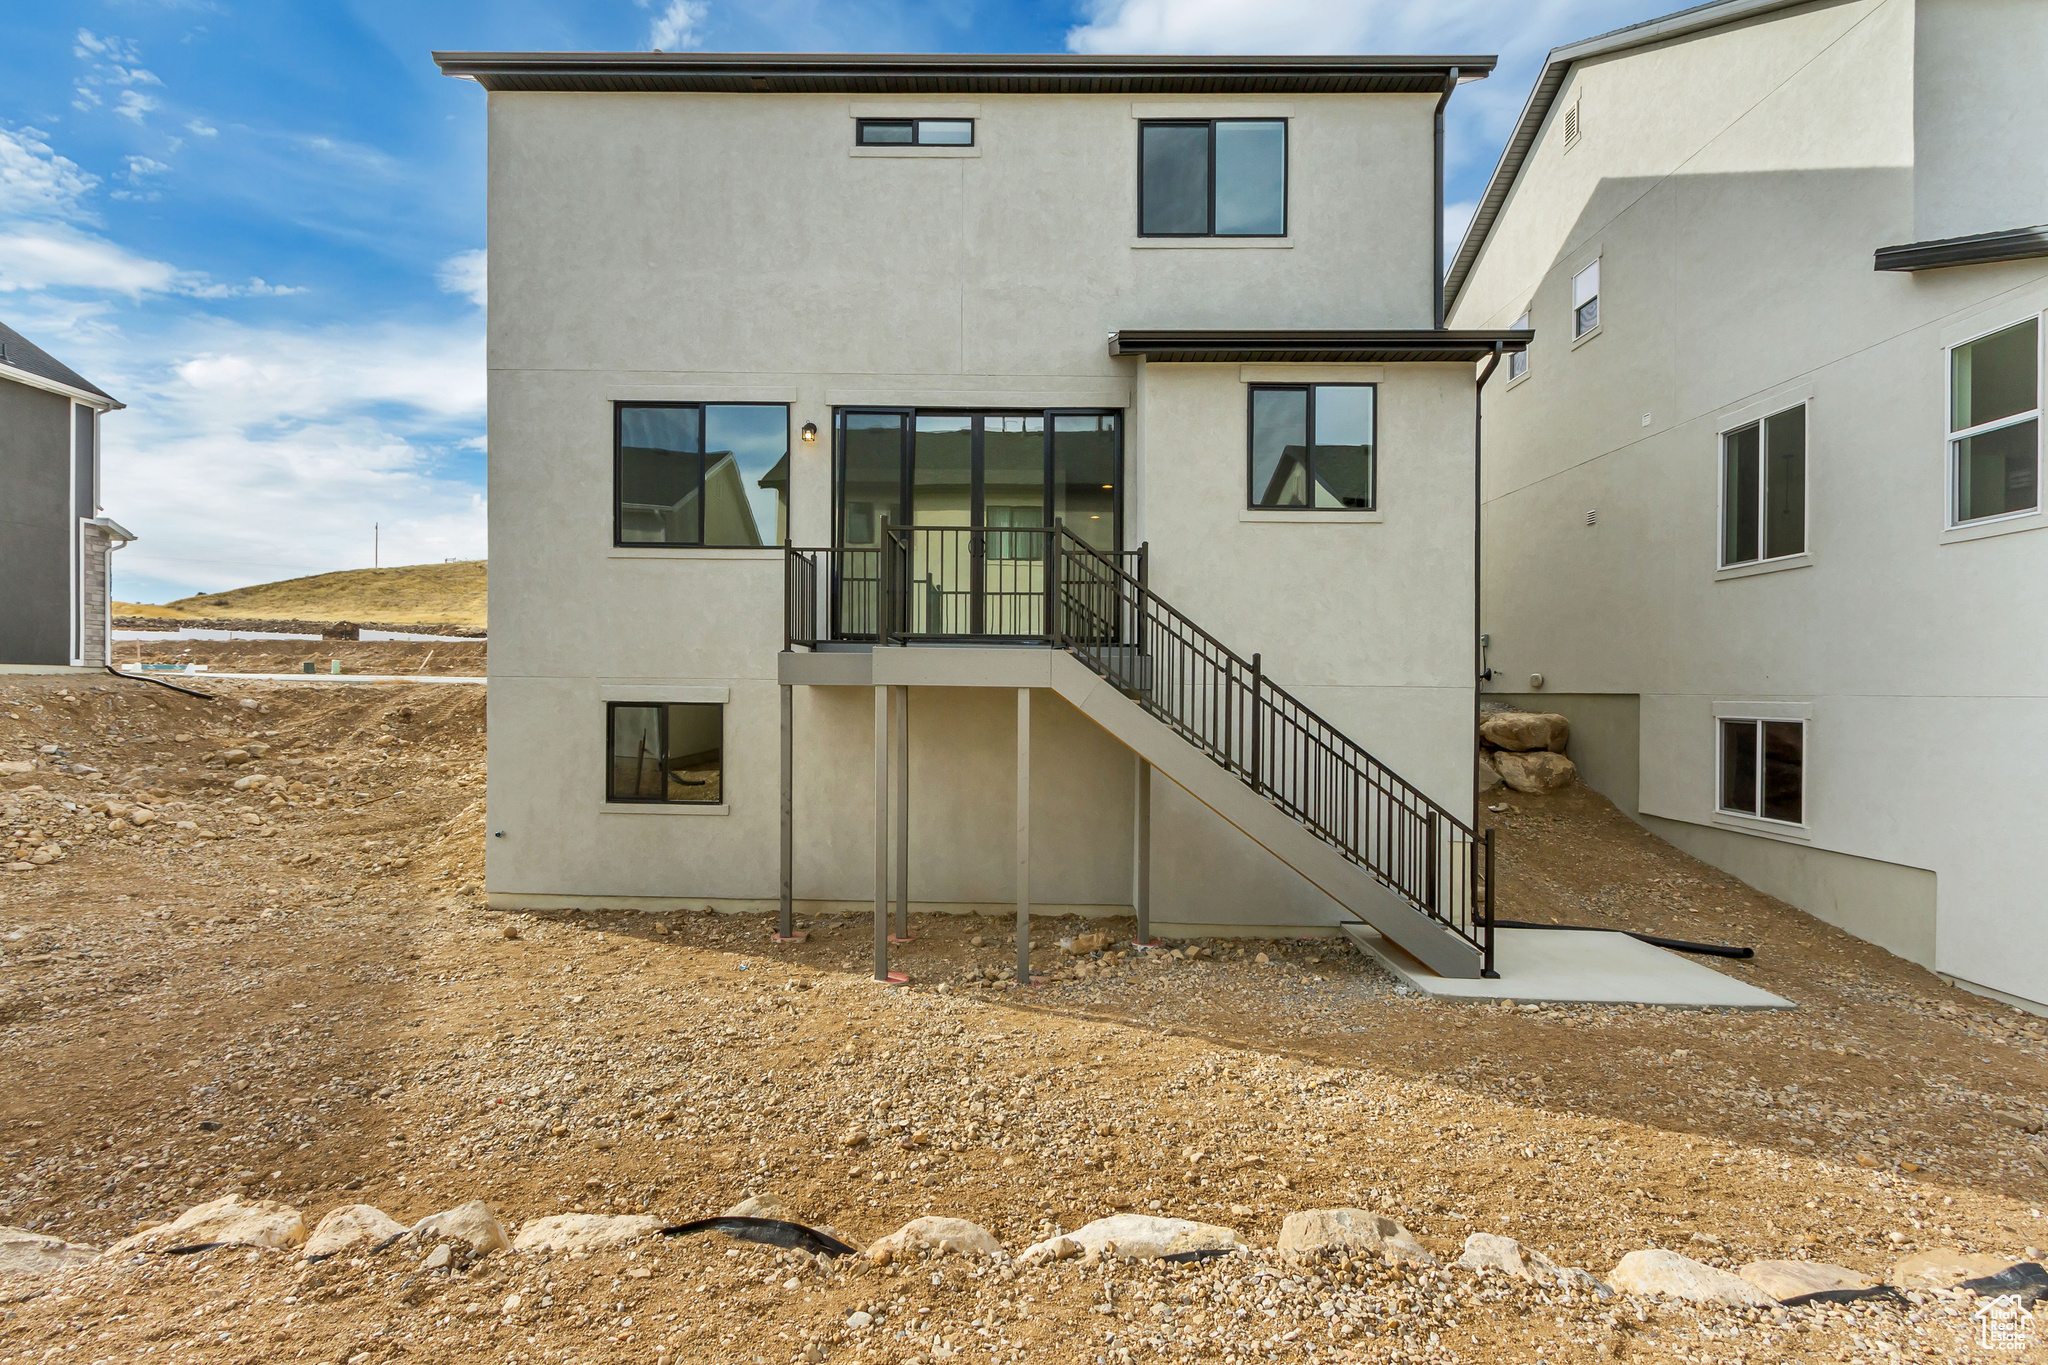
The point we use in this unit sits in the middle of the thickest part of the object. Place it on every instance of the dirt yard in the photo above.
(288, 990)
(453, 657)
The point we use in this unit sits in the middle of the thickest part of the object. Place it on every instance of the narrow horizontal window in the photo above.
(1586, 300)
(914, 132)
(1518, 361)
(1763, 769)
(1313, 446)
(701, 474)
(1213, 178)
(672, 753)
(1995, 424)
(1763, 489)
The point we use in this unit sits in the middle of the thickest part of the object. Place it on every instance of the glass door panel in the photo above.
(1084, 476)
(1013, 495)
(942, 569)
(871, 450)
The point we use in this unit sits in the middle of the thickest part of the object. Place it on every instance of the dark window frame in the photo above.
(661, 709)
(1251, 492)
(1762, 427)
(619, 407)
(1286, 177)
(1759, 768)
(861, 126)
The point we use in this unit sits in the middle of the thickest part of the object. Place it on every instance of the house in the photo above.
(968, 483)
(54, 542)
(1759, 497)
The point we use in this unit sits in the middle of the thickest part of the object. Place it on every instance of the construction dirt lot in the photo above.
(290, 992)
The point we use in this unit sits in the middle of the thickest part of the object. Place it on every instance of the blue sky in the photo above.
(262, 225)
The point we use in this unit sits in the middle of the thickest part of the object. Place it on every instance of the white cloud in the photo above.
(675, 28)
(57, 256)
(139, 166)
(90, 45)
(1457, 217)
(35, 181)
(136, 105)
(199, 129)
(466, 273)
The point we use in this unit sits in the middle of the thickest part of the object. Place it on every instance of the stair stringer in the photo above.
(1261, 821)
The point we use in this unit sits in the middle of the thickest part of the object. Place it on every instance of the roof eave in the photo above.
(1211, 346)
(92, 398)
(1982, 248)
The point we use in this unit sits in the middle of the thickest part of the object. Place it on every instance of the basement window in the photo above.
(666, 752)
(1763, 769)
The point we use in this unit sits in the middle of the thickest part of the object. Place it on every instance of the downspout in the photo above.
(1437, 246)
(1478, 530)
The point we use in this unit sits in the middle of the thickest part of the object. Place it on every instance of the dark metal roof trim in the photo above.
(1317, 347)
(17, 352)
(2012, 244)
(950, 73)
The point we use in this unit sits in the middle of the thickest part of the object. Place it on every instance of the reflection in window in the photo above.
(870, 475)
(1995, 423)
(1084, 457)
(915, 132)
(702, 474)
(673, 753)
(1586, 300)
(1763, 769)
(1518, 361)
(1312, 446)
(1763, 489)
(1217, 177)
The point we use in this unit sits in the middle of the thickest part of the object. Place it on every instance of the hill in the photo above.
(451, 594)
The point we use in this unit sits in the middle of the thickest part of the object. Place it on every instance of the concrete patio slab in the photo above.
(1578, 966)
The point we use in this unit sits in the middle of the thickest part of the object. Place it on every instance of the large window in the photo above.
(1312, 445)
(1994, 424)
(709, 474)
(672, 753)
(1763, 489)
(1586, 300)
(1763, 769)
(1213, 178)
(915, 132)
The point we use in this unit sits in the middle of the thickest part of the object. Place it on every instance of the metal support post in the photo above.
(882, 973)
(785, 931)
(1144, 840)
(902, 934)
(1023, 836)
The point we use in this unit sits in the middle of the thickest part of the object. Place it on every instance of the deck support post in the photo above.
(1023, 837)
(882, 835)
(1142, 898)
(902, 700)
(786, 926)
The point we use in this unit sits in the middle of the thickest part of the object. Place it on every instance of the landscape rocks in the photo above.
(1488, 775)
(588, 1231)
(1347, 1232)
(1138, 1237)
(1666, 1274)
(1526, 731)
(472, 1224)
(955, 1235)
(1944, 1269)
(762, 1206)
(1488, 1251)
(232, 1221)
(34, 1253)
(1784, 1280)
(1536, 772)
(351, 1225)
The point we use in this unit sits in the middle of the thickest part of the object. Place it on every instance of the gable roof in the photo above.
(21, 357)
(1544, 93)
(954, 73)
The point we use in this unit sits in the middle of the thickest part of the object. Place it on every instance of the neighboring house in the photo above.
(1017, 350)
(54, 542)
(1760, 501)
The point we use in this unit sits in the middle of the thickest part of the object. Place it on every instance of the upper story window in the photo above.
(1313, 445)
(1213, 178)
(1763, 489)
(1586, 300)
(1994, 443)
(1763, 769)
(700, 474)
(1518, 361)
(914, 132)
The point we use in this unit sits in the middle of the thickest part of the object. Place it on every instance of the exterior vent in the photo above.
(1592, 515)
(1571, 125)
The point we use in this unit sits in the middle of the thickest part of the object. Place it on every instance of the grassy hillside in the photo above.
(450, 594)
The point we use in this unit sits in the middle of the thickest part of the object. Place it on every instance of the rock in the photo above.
(472, 1224)
(33, 1253)
(1324, 1232)
(140, 816)
(438, 1258)
(1668, 1274)
(232, 757)
(1088, 943)
(1486, 1251)
(249, 703)
(1526, 731)
(349, 1225)
(589, 1231)
(233, 1220)
(1139, 1237)
(1535, 772)
(1488, 775)
(955, 1235)
(1785, 1280)
(1944, 1269)
(858, 1319)
(763, 1205)
(242, 784)
(16, 767)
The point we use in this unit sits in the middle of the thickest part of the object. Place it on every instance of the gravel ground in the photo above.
(313, 1007)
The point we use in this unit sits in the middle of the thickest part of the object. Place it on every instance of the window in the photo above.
(1994, 424)
(1312, 445)
(672, 753)
(711, 474)
(1586, 300)
(1518, 361)
(1763, 769)
(1213, 178)
(914, 132)
(1763, 489)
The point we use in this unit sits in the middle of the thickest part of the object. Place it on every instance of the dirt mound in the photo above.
(451, 594)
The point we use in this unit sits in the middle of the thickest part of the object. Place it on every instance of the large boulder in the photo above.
(1537, 772)
(473, 1224)
(1137, 1237)
(1526, 731)
(352, 1225)
(1666, 1274)
(1944, 1269)
(1785, 1280)
(1347, 1232)
(1488, 775)
(585, 1231)
(34, 1253)
(1489, 1251)
(955, 1235)
(231, 1222)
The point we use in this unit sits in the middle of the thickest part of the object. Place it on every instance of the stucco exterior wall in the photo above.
(1980, 163)
(1736, 281)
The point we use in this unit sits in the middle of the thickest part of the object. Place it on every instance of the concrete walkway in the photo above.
(1578, 966)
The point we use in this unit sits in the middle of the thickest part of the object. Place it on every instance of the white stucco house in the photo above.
(983, 482)
(1759, 499)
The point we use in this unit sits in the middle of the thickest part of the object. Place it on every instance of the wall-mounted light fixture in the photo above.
(810, 433)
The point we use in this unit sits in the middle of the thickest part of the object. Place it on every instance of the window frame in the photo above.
(1286, 178)
(619, 407)
(1251, 502)
(861, 126)
(661, 708)
(1581, 333)
(1763, 490)
(1721, 806)
(1952, 441)
(1518, 361)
